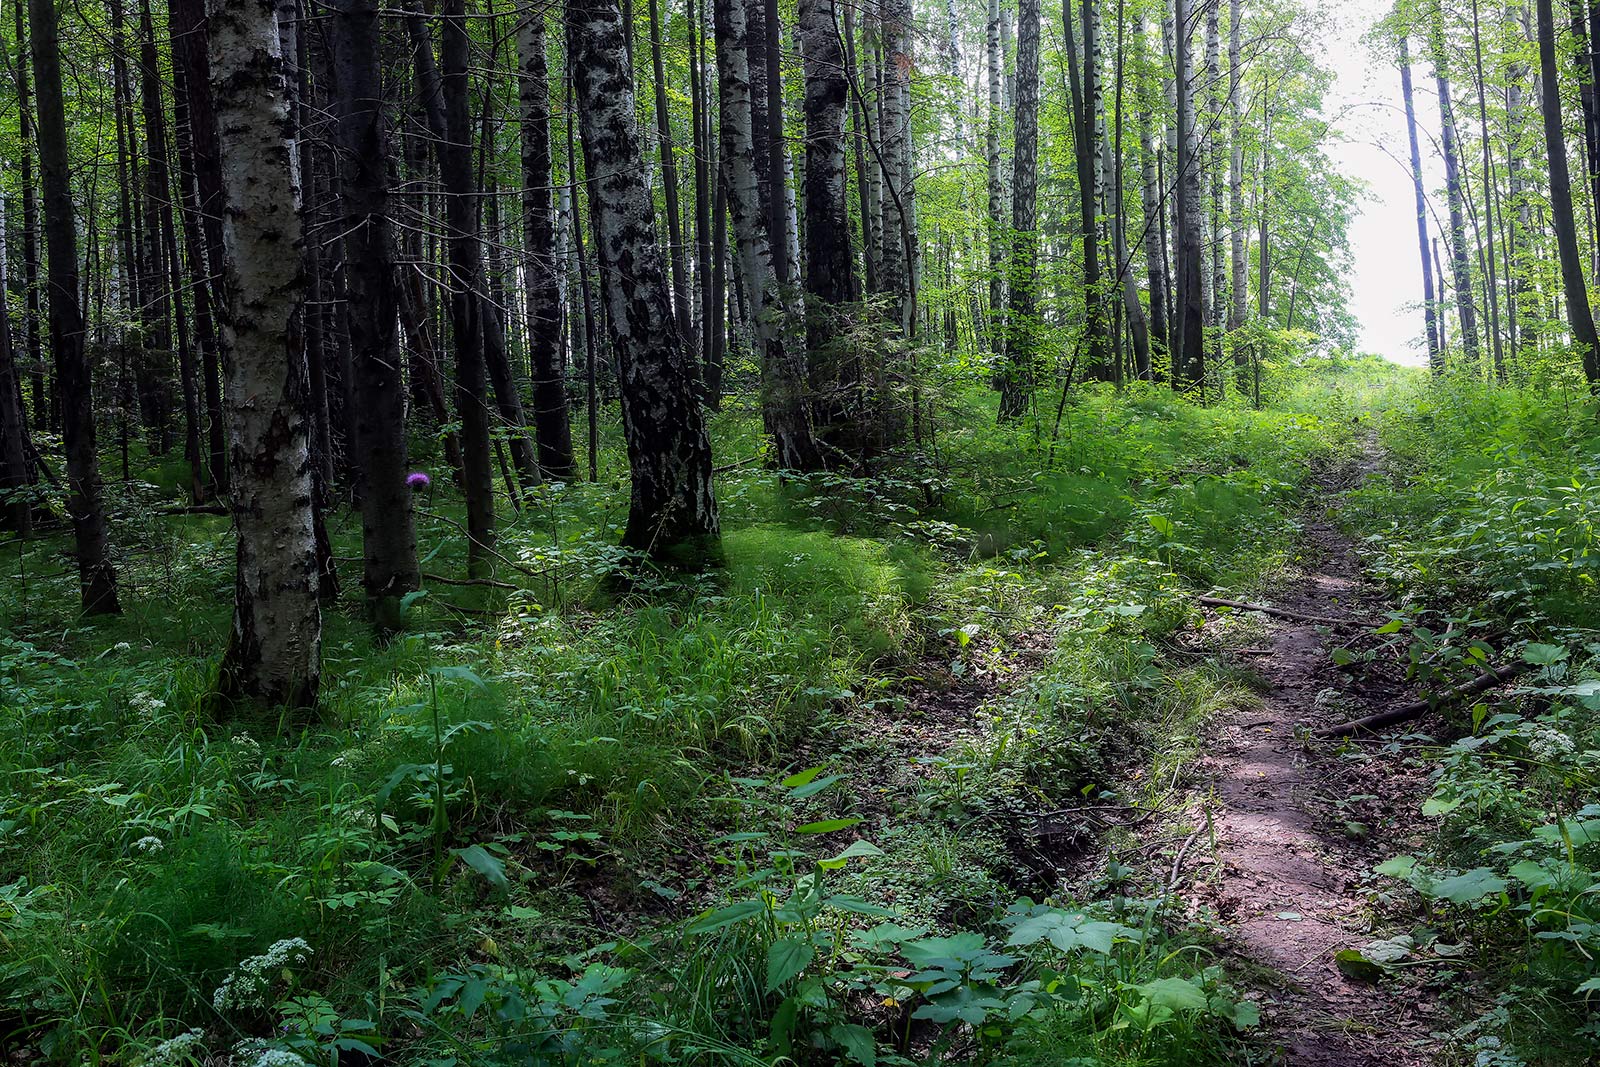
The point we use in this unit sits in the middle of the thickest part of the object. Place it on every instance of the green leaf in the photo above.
(1591, 985)
(1465, 888)
(1352, 964)
(827, 826)
(1243, 1014)
(1399, 867)
(1390, 627)
(1160, 524)
(1342, 657)
(460, 674)
(857, 850)
(786, 959)
(857, 1042)
(1532, 874)
(489, 866)
(733, 913)
(1067, 931)
(1389, 949)
(812, 788)
(1438, 805)
(794, 781)
(1543, 655)
(1178, 994)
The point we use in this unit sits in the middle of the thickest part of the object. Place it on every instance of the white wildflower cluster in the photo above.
(257, 1053)
(251, 981)
(1549, 745)
(123, 646)
(244, 740)
(149, 843)
(184, 1048)
(147, 703)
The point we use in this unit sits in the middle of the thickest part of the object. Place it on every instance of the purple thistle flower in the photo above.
(418, 480)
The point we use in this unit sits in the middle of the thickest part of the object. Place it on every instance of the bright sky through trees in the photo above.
(1386, 284)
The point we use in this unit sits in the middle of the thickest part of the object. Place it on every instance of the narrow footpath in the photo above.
(1297, 824)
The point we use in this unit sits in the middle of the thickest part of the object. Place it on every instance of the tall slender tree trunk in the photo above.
(32, 306)
(1216, 153)
(388, 524)
(1189, 356)
(1429, 303)
(1017, 386)
(672, 515)
(16, 463)
(997, 219)
(1238, 287)
(1490, 198)
(676, 255)
(778, 319)
(1460, 256)
(97, 579)
(1579, 316)
(445, 103)
(830, 269)
(552, 423)
(1155, 253)
(187, 26)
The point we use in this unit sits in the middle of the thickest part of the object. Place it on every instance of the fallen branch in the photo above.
(492, 583)
(1417, 708)
(1284, 613)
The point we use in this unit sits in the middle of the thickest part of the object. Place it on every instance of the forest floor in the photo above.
(1284, 849)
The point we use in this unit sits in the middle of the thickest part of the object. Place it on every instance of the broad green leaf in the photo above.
(857, 850)
(786, 959)
(1391, 627)
(733, 913)
(795, 781)
(1399, 867)
(1465, 888)
(1352, 964)
(1178, 994)
(1543, 655)
(1067, 931)
(827, 826)
(1437, 805)
(489, 866)
(857, 1042)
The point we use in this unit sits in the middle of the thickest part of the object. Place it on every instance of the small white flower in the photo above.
(149, 844)
(175, 1050)
(338, 761)
(123, 646)
(1548, 744)
(146, 702)
(251, 980)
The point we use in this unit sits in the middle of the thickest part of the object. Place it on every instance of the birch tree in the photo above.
(274, 650)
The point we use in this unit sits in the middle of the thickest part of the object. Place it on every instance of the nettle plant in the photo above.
(1518, 861)
(827, 971)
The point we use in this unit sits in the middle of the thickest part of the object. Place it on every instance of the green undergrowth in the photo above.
(698, 823)
(1483, 523)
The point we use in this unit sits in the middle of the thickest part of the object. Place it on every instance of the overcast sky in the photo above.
(1386, 283)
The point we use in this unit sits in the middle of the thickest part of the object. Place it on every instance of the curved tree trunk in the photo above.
(274, 652)
(672, 515)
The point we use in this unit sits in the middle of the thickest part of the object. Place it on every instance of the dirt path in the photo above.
(1290, 845)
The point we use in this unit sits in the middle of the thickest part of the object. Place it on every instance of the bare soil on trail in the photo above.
(1292, 822)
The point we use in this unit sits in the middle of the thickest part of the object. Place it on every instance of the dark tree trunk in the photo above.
(830, 273)
(669, 183)
(388, 526)
(672, 515)
(32, 303)
(1579, 316)
(1020, 362)
(445, 100)
(16, 464)
(1429, 304)
(187, 25)
(1189, 369)
(166, 308)
(552, 424)
(97, 579)
(1460, 256)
